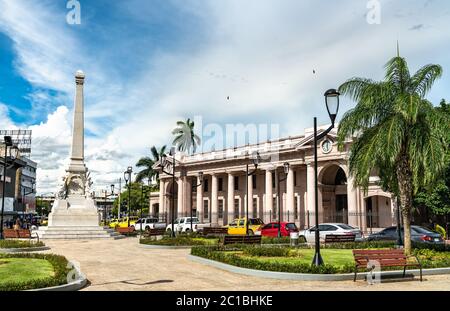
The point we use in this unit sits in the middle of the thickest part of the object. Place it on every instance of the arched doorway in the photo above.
(172, 205)
(333, 186)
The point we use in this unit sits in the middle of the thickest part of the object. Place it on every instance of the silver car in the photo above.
(328, 229)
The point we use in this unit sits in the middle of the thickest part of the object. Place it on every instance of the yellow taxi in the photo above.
(113, 223)
(238, 226)
(123, 223)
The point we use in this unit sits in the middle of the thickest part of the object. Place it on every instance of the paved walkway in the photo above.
(123, 265)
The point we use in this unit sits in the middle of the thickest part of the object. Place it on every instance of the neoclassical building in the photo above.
(222, 194)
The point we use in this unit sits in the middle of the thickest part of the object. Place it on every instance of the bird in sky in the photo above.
(228, 97)
(314, 71)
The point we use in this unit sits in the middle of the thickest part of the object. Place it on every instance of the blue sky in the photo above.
(149, 63)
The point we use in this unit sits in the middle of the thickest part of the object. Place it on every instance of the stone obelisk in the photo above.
(74, 214)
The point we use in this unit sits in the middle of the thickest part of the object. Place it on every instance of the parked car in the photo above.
(149, 223)
(123, 223)
(271, 229)
(114, 223)
(418, 234)
(238, 226)
(183, 224)
(330, 228)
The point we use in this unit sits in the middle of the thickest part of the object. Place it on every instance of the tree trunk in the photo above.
(405, 185)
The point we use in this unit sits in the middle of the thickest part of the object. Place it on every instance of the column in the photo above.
(290, 199)
(230, 199)
(310, 193)
(269, 195)
(180, 197)
(250, 196)
(351, 203)
(199, 200)
(162, 193)
(214, 202)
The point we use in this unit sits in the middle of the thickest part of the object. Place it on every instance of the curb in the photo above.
(70, 287)
(164, 246)
(24, 250)
(306, 276)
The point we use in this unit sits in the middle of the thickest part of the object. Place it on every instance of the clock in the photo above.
(327, 146)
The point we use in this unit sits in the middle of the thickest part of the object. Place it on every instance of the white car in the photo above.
(183, 224)
(149, 223)
(328, 229)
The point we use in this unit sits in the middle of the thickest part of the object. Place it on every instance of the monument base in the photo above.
(75, 218)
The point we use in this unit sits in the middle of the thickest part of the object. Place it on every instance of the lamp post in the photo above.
(332, 104)
(194, 186)
(105, 209)
(255, 161)
(8, 143)
(286, 171)
(127, 178)
(165, 164)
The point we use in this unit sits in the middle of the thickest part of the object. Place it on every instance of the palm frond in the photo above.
(424, 78)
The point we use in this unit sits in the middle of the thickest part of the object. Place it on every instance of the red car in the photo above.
(271, 229)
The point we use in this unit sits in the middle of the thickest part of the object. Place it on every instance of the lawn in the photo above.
(335, 257)
(20, 270)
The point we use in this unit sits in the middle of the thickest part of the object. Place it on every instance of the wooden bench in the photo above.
(215, 231)
(125, 231)
(154, 232)
(19, 234)
(241, 239)
(385, 258)
(339, 238)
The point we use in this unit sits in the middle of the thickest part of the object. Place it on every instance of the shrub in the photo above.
(441, 231)
(178, 241)
(266, 251)
(60, 267)
(275, 240)
(19, 244)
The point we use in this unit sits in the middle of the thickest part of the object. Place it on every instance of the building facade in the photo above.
(223, 196)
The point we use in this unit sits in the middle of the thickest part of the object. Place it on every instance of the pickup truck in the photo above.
(149, 223)
(183, 224)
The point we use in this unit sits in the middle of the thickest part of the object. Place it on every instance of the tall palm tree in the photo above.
(147, 164)
(185, 138)
(397, 132)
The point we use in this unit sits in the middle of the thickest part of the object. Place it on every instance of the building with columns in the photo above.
(222, 195)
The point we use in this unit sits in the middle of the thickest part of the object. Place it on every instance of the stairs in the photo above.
(77, 233)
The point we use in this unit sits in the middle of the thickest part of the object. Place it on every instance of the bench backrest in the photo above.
(24, 233)
(10, 234)
(335, 238)
(383, 256)
(242, 239)
(153, 232)
(215, 230)
(125, 230)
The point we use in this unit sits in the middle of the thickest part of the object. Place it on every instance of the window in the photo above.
(345, 227)
(295, 179)
(220, 184)
(255, 208)
(296, 208)
(181, 221)
(234, 223)
(254, 181)
(205, 209)
(268, 226)
(273, 179)
(205, 185)
(236, 183)
(276, 226)
(274, 208)
(236, 208)
(220, 209)
(291, 226)
(241, 222)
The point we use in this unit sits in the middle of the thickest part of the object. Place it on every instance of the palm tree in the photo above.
(147, 164)
(397, 132)
(185, 138)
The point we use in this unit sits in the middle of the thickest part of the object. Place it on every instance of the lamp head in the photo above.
(13, 152)
(286, 167)
(332, 103)
(8, 141)
(200, 175)
(255, 158)
(112, 188)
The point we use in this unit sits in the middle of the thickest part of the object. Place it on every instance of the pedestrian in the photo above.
(17, 225)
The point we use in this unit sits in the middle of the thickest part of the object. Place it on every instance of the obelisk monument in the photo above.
(74, 214)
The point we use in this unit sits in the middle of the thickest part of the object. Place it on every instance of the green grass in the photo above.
(20, 270)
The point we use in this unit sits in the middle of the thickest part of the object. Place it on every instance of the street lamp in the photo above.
(194, 186)
(13, 152)
(127, 177)
(332, 104)
(164, 163)
(255, 161)
(286, 171)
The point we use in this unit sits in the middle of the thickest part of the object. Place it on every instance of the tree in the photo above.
(147, 164)
(136, 199)
(185, 138)
(396, 131)
(43, 208)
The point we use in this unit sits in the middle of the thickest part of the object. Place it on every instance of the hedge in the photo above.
(19, 244)
(60, 266)
(178, 241)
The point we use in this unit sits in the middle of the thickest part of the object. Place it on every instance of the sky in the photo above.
(150, 63)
